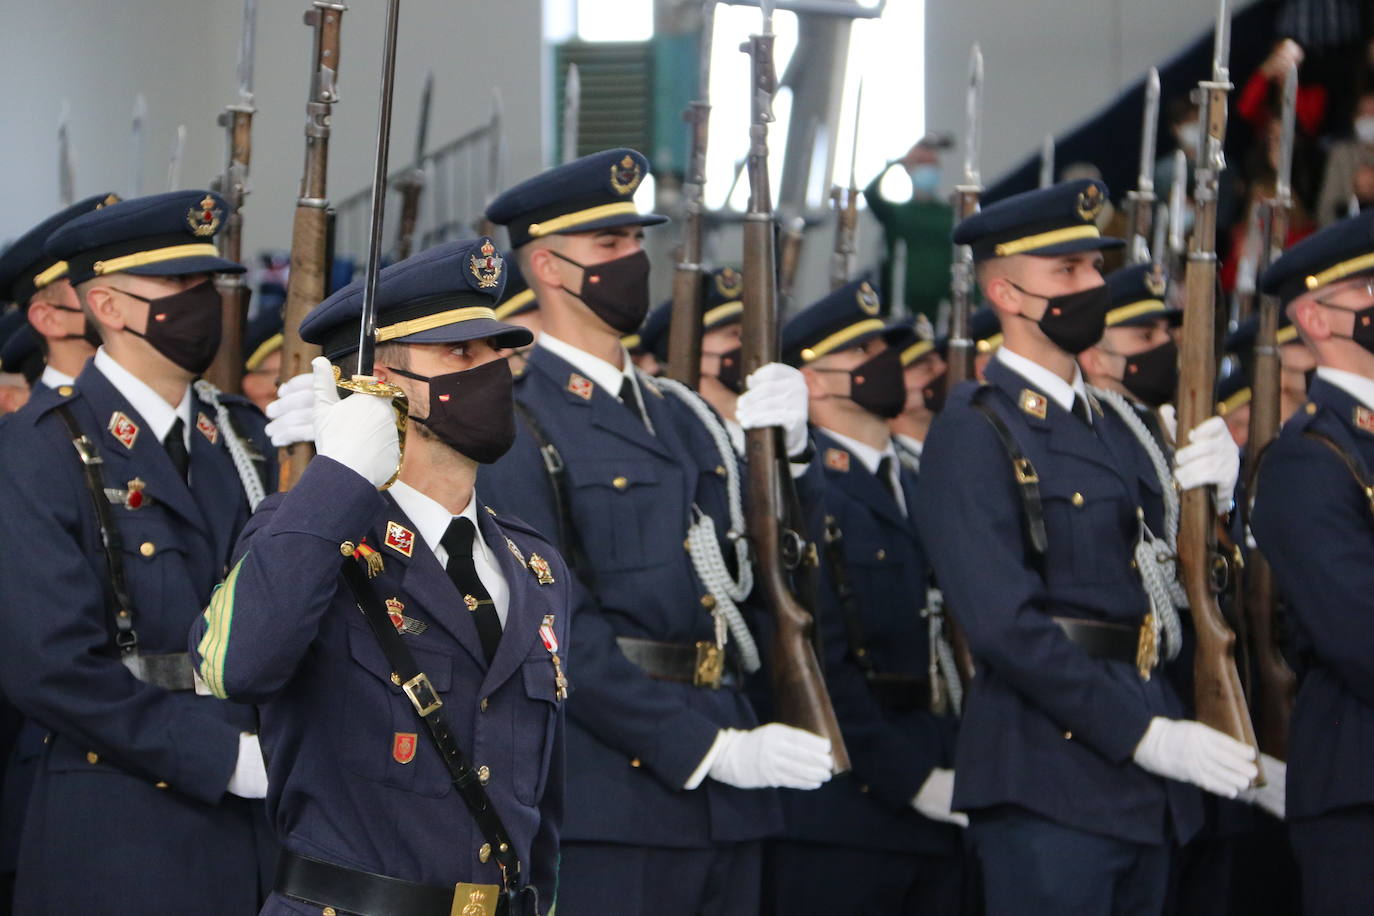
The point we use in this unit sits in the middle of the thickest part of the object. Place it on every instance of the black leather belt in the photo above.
(900, 692)
(1117, 642)
(701, 665)
(348, 890)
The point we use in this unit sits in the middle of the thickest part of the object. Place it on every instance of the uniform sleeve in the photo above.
(57, 667)
(881, 208)
(260, 621)
(612, 697)
(1313, 525)
(969, 516)
(544, 848)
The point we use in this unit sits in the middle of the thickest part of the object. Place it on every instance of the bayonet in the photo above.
(847, 210)
(1047, 161)
(572, 112)
(66, 171)
(1178, 202)
(495, 141)
(1141, 201)
(411, 184)
(174, 165)
(973, 118)
(136, 146)
(966, 197)
(247, 49)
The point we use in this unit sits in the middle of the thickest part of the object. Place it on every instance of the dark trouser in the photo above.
(810, 878)
(1032, 866)
(611, 879)
(1334, 856)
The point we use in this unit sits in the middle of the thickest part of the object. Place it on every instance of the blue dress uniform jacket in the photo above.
(633, 742)
(1046, 727)
(129, 804)
(1314, 525)
(352, 776)
(892, 751)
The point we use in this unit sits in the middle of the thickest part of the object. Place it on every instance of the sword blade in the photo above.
(367, 332)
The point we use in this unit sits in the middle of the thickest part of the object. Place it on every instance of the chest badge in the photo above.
(1034, 403)
(515, 552)
(400, 538)
(580, 386)
(403, 746)
(123, 429)
(550, 639)
(1364, 420)
(540, 567)
(133, 496)
(837, 460)
(403, 624)
(207, 428)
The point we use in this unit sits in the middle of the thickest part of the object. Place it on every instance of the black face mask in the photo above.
(1363, 333)
(473, 411)
(1074, 322)
(89, 333)
(878, 386)
(730, 373)
(616, 291)
(933, 394)
(185, 326)
(1152, 377)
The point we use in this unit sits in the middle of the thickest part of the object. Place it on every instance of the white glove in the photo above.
(772, 755)
(359, 432)
(250, 773)
(936, 798)
(1273, 795)
(1192, 752)
(1211, 457)
(776, 395)
(292, 414)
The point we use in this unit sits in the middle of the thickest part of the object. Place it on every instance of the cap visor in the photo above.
(1075, 246)
(611, 222)
(202, 264)
(502, 335)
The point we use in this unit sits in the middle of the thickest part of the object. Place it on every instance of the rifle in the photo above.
(1273, 684)
(66, 172)
(136, 146)
(847, 211)
(966, 194)
(1140, 203)
(1219, 699)
(226, 372)
(485, 226)
(684, 331)
(798, 685)
(308, 282)
(572, 112)
(1047, 161)
(412, 183)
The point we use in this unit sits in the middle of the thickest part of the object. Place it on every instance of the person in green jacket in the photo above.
(923, 223)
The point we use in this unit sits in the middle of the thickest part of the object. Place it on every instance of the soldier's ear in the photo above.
(104, 306)
(544, 266)
(1310, 318)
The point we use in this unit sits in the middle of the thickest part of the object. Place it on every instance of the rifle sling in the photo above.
(844, 595)
(429, 707)
(1353, 464)
(1027, 481)
(569, 542)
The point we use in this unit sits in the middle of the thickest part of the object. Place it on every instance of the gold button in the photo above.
(483, 775)
(147, 548)
(620, 483)
(863, 789)
(159, 785)
(47, 738)
(708, 601)
(65, 391)
(329, 911)
(720, 470)
(347, 548)
(92, 757)
(1139, 513)
(483, 705)
(1068, 736)
(1076, 499)
(395, 679)
(635, 762)
(687, 545)
(882, 554)
(484, 853)
(1310, 407)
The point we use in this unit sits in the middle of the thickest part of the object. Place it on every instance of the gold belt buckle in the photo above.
(1147, 647)
(474, 899)
(710, 665)
(422, 694)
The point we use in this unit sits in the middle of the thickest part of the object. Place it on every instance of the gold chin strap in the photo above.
(369, 385)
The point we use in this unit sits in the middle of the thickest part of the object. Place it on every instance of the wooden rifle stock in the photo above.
(684, 329)
(308, 282)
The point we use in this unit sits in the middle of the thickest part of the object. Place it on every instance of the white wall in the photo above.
(181, 54)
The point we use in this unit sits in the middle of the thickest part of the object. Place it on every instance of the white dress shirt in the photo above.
(156, 412)
(432, 520)
(598, 370)
(55, 379)
(871, 457)
(1050, 384)
(911, 442)
(1359, 387)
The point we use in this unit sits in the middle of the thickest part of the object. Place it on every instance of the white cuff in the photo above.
(699, 774)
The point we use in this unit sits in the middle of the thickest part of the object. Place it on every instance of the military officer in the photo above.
(1073, 760)
(21, 362)
(887, 827)
(1136, 357)
(668, 769)
(146, 798)
(262, 342)
(39, 283)
(648, 345)
(519, 307)
(1297, 362)
(367, 808)
(1312, 519)
(925, 379)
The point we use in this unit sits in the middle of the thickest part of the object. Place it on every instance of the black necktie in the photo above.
(888, 481)
(457, 540)
(175, 444)
(1081, 409)
(627, 397)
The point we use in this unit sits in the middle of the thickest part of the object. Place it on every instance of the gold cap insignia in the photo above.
(205, 219)
(486, 268)
(626, 176)
(729, 283)
(1034, 403)
(110, 200)
(1090, 203)
(867, 299)
(1154, 281)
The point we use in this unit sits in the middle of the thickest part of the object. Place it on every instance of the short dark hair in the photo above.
(388, 354)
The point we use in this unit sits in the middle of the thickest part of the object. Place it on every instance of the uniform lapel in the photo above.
(860, 485)
(525, 613)
(607, 411)
(215, 483)
(1064, 433)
